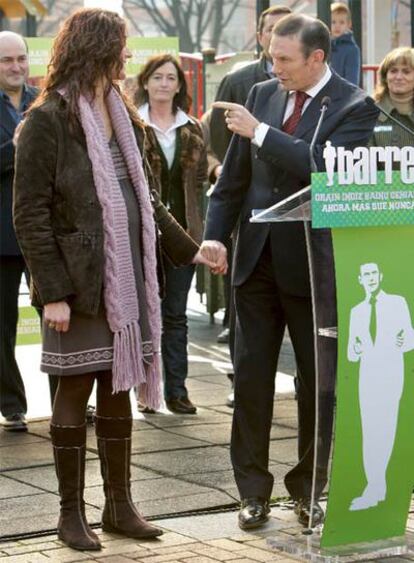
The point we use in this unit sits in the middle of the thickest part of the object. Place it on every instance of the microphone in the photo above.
(371, 102)
(326, 100)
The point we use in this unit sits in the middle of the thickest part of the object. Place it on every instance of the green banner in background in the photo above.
(28, 327)
(142, 48)
(40, 49)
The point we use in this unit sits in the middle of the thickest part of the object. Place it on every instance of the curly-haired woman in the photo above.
(85, 221)
(178, 159)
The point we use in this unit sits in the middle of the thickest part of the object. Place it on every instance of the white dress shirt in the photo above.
(261, 130)
(166, 138)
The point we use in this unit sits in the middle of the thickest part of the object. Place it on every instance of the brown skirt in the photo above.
(86, 347)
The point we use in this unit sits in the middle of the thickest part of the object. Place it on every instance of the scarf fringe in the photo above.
(150, 392)
(128, 369)
(127, 366)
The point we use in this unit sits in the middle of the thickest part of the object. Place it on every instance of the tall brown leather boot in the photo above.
(120, 514)
(69, 445)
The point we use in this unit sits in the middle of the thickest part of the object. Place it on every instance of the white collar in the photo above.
(312, 92)
(380, 296)
(181, 118)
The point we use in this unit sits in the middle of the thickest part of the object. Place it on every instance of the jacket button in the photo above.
(275, 190)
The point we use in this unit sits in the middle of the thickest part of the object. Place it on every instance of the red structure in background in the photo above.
(193, 70)
(193, 66)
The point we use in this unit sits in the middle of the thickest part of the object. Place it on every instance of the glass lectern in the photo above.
(306, 544)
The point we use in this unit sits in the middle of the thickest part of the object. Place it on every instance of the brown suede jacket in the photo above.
(57, 215)
(193, 160)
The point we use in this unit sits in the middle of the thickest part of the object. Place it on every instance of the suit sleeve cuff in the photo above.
(260, 133)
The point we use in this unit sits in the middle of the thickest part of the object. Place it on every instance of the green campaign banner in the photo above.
(28, 327)
(362, 206)
(373, 459)
(40, 49)
(372, 471)
(142, 48)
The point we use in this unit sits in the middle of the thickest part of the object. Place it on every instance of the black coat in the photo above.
(234, 87)
(58, 217)
(8, 242)
(258, 178)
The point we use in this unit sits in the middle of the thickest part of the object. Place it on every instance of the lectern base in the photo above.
(307, 548)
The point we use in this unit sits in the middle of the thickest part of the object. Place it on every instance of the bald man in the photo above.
(15, 98)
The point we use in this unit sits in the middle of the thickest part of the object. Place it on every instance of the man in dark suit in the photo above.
(268, 160)
(15, 98)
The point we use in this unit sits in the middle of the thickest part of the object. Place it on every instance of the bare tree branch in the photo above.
(230, 13)
(132, 20)
(190, 20)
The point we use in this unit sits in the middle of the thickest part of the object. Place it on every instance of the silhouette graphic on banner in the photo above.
(380, 332)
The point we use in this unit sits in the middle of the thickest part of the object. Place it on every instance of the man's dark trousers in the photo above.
(12, 394)
(260, 327)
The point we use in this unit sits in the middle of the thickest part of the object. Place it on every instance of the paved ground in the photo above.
(181, 475)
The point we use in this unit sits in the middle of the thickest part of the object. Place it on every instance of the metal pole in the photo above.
(356, 10)
(324, 11)
(209, 56)
(261, 6)
(31, 27)
(412, 22)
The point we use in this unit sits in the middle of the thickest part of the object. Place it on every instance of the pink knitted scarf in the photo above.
(121, 299)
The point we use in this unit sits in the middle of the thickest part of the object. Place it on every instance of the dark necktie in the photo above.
(373, 318)
(291, 123)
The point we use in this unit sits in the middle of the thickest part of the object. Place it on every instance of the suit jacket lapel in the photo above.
(275, 108)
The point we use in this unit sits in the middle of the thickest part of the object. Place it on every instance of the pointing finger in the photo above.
(226, 105)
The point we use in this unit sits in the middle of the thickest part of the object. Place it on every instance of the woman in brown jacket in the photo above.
(179, 163)
(85, 222)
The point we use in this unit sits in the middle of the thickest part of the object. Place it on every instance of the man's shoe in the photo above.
(15, 423)
(224, 336)
(254, 512)
(302, 509)
(182, 405)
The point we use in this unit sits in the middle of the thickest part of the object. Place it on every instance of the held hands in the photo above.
(217, 171)
(57, 316)
(239, 120)
(213, 254)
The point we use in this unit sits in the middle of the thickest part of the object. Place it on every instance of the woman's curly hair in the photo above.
(86, 50)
